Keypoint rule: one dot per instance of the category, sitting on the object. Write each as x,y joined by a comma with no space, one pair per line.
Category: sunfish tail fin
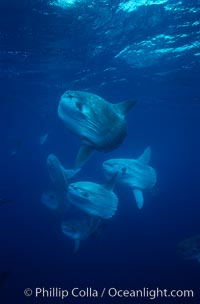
125,106
84,154
145,156
138,197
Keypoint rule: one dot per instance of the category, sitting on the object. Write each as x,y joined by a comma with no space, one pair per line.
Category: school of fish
86,206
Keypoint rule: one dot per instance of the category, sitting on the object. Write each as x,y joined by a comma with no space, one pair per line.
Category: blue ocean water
146,50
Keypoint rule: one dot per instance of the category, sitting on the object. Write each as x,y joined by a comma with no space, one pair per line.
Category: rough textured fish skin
96,121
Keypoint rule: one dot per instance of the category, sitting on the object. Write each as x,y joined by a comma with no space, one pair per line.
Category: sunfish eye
73,187
85,194
124,169
71,228
79,105
70,96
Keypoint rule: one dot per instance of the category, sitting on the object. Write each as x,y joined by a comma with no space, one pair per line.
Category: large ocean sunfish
135,173
94,199
101,125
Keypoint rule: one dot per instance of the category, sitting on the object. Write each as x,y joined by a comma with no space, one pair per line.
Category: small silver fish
43,138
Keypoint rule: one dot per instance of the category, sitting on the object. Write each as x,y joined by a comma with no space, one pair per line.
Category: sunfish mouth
107,165
68,97
72,187
73,192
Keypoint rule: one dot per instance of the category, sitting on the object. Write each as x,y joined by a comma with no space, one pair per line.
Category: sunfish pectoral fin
84,154
138,197
125,106
76,245
109,185
145,156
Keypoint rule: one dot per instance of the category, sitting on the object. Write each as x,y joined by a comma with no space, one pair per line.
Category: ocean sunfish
58,174
94,199
135,173
79,229
100,124
190,248
52,200
60,177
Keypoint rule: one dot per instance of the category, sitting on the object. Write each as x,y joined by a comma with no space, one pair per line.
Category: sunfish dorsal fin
138,197
68,174
125,106
145,156
76,245
109,185
84,154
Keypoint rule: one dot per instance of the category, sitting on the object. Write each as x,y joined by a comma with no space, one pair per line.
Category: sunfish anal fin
125,106
76,245
145,156
109,185
84,154
138,197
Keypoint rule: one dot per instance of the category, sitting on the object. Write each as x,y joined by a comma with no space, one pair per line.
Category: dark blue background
46,50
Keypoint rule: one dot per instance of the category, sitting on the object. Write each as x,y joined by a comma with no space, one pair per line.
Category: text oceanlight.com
89,292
